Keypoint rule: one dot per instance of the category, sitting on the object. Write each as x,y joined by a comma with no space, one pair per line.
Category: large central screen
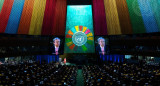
79,35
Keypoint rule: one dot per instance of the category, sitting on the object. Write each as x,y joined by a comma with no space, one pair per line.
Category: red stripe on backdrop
59,23
5,13
99,18
26,17
49,16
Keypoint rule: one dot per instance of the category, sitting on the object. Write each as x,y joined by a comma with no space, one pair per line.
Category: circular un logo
79,38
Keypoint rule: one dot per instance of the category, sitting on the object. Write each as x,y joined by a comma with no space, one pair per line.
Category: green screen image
79,35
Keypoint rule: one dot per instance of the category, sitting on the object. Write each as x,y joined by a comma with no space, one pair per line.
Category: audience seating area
29,74
95,76
121,75
54,74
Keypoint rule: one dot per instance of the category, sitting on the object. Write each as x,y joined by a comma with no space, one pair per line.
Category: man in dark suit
56,49
102,49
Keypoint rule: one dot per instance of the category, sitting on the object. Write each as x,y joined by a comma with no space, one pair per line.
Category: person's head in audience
101,41
56,42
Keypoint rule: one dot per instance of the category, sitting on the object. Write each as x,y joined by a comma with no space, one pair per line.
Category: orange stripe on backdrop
124,18
60,18
5,13
113,25
26,17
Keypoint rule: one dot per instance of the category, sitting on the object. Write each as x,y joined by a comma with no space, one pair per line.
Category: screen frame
62,42
80,2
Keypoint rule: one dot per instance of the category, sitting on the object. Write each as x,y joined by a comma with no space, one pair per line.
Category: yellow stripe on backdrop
37,17
113,25
41,16
34,17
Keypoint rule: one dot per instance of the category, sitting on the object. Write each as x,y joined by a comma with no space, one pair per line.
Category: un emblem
79,38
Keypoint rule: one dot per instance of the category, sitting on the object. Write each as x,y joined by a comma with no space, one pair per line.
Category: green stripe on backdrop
155,5
1,5
135,16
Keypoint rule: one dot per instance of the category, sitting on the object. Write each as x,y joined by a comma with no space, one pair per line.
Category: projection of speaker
56,49
102,48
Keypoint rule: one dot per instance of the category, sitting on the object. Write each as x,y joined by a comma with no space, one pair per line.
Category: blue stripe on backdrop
100,56
103,57
48,58
148,17
107,57
155,5
119,59
54,59
113,58
14,18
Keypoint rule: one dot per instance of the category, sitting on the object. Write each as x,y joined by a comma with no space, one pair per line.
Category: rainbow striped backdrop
47,17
